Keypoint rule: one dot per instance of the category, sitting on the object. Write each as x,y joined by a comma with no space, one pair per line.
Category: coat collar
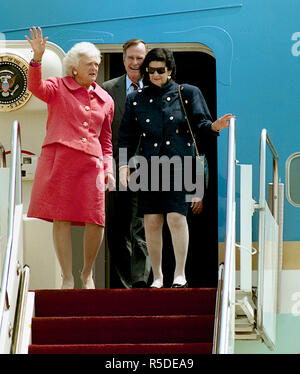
72,85
161,90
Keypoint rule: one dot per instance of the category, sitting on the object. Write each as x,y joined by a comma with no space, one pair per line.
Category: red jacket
76,118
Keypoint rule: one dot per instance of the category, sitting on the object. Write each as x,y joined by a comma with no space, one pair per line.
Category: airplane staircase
153,321
118,321
105,321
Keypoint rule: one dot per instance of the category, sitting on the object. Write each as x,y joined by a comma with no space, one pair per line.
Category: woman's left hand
222,122
197,205
110,182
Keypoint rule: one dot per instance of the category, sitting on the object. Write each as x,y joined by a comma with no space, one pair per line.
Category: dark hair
159,54
132,42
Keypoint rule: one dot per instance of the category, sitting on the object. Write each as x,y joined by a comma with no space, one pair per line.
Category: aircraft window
293,179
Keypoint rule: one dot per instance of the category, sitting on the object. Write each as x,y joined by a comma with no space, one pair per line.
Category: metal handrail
264,141
217,320
2,157
15,198
229,262
21,311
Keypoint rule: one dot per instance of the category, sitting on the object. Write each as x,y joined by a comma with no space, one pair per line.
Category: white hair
76,52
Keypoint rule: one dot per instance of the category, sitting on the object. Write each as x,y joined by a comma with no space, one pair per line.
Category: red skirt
68,186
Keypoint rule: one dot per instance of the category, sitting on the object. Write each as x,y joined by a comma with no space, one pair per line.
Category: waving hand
37,42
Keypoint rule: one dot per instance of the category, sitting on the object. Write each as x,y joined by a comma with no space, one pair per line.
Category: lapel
119,93
72,85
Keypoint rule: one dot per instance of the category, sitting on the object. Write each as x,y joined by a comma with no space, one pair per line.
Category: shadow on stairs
115,321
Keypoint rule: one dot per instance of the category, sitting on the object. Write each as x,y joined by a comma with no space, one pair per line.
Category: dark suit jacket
117,89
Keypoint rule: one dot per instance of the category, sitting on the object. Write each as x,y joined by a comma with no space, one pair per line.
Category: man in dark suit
129,261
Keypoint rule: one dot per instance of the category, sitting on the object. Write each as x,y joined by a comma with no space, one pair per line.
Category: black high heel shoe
177,285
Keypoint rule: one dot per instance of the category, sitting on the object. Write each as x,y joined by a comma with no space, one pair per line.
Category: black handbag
201,160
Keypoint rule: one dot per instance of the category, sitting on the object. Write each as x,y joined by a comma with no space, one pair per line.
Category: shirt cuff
34,63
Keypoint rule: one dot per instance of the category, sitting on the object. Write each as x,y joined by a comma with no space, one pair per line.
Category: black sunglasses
159,70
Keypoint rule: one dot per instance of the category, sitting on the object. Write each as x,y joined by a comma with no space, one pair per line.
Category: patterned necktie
135,86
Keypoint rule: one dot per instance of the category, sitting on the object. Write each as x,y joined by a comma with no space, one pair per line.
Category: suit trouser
129,260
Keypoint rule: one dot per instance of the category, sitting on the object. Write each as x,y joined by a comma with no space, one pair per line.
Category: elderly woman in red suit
75,165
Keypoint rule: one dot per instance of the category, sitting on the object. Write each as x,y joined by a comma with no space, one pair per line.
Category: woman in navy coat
154,127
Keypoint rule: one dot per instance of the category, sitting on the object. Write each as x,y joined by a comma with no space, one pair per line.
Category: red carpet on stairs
115,321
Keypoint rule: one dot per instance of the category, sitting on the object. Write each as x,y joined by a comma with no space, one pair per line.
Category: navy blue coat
154,121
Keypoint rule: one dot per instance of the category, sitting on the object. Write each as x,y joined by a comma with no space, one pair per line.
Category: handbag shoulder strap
187,119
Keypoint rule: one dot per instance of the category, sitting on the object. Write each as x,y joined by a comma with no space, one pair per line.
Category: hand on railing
222,122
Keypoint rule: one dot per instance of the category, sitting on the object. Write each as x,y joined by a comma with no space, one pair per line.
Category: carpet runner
114,321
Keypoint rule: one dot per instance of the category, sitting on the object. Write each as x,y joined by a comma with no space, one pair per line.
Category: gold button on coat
155,145
83,140
168,142
87,108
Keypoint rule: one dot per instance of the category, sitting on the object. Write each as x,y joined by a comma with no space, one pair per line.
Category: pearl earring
75,72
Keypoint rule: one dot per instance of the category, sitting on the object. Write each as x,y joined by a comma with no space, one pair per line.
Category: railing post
15,197
265,140
228,296
217,321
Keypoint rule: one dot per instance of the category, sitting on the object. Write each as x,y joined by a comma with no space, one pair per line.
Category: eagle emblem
13,82
7,81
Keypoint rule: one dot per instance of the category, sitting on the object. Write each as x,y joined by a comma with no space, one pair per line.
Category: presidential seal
13,83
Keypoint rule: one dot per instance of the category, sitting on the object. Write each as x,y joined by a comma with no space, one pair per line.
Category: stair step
150,348
116,321
113,302
122,329
242,324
